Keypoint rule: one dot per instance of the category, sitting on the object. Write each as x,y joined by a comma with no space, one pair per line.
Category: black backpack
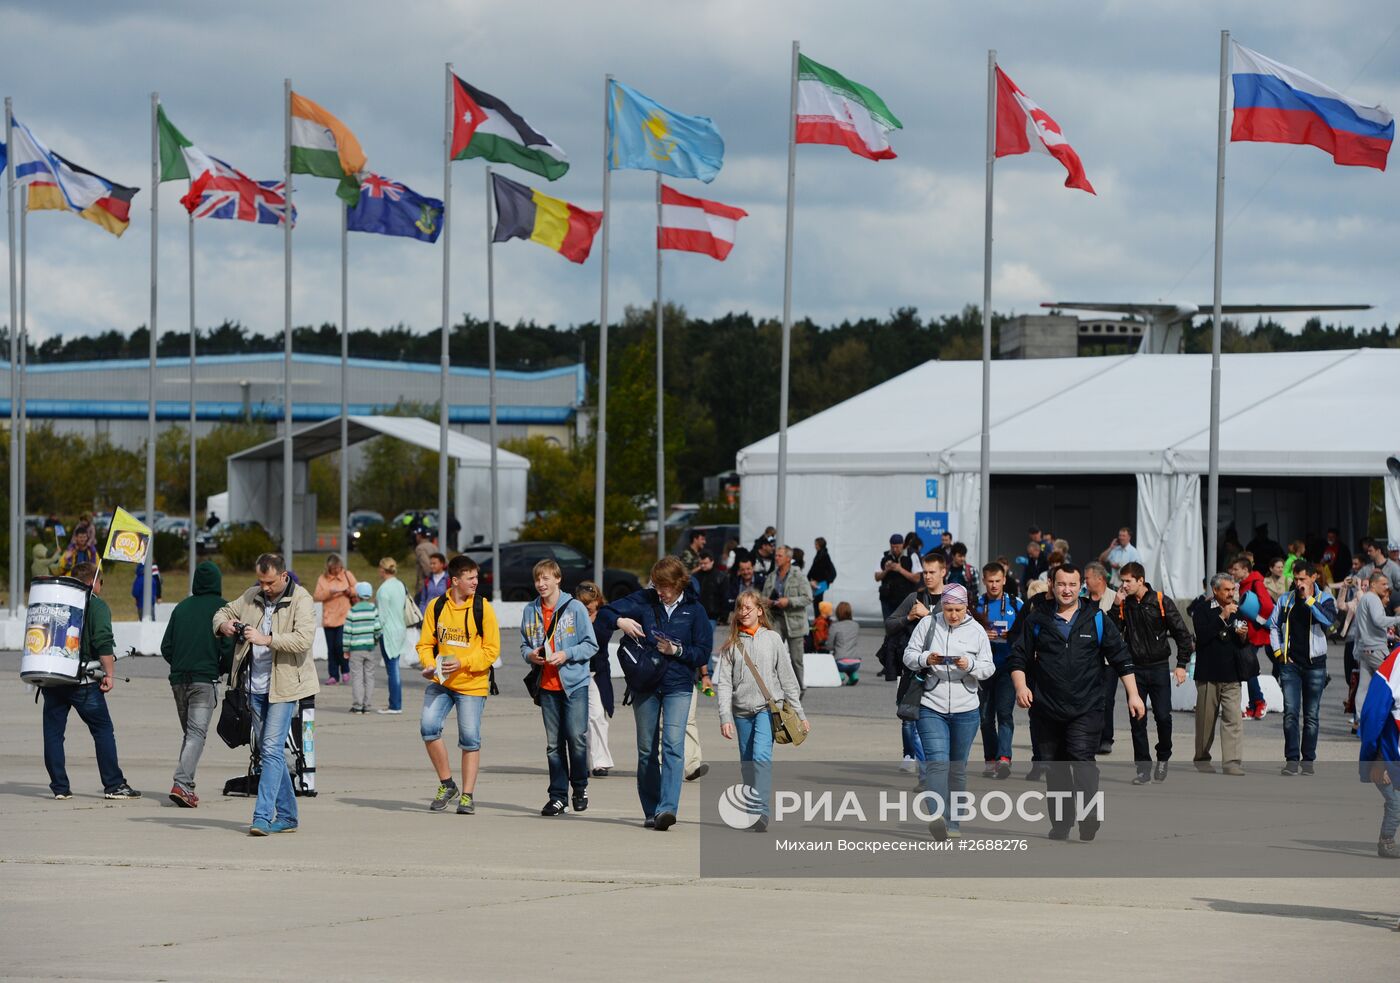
477,606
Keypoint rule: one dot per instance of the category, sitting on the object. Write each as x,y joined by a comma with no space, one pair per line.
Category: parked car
208,540
715,538
360,520
518,563
179,526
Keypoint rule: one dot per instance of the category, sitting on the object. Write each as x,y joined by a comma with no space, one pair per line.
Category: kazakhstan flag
646,136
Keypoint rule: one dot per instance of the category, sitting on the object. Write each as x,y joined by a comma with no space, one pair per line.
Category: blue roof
132,409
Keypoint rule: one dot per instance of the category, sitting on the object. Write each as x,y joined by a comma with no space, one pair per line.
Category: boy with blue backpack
997,611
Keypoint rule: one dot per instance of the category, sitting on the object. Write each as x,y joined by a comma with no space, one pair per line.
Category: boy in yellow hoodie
459,642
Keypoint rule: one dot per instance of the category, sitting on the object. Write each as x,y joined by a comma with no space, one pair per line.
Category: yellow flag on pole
129,539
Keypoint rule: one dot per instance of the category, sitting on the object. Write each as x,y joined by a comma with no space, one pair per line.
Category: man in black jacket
1147,619
1056,665
1224,660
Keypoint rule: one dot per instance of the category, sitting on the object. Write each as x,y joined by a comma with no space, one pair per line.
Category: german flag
111,212
524,213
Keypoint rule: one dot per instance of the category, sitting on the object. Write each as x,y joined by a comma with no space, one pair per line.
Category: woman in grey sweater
753,647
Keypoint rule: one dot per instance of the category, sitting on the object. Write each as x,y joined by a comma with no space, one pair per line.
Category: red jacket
1258,633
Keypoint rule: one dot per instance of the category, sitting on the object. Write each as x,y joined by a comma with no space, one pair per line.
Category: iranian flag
324,147
696,225
833,109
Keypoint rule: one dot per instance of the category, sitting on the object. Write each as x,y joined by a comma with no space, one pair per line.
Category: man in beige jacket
275,623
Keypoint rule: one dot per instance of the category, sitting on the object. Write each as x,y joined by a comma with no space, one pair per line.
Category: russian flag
1278,104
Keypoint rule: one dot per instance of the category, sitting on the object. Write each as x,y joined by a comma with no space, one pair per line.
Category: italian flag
833,109
322,146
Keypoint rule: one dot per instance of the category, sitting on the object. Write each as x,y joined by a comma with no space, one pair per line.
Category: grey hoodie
735,688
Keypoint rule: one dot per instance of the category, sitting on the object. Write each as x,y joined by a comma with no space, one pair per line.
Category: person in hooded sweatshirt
952,653
197,659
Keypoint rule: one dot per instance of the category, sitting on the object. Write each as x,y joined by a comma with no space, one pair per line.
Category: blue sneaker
282,826
260,827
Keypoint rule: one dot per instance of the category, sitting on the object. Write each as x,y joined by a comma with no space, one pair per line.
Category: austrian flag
1023,127
696,225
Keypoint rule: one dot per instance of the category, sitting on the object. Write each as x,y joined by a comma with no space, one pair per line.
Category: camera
240,631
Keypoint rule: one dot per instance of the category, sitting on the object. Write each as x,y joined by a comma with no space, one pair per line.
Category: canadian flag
696,225
1023,127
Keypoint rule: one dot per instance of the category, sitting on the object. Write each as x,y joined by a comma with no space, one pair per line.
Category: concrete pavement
373,886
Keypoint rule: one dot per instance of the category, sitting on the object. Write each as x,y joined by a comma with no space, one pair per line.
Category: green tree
214,449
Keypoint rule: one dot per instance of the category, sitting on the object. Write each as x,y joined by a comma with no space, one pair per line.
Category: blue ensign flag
391,209
646,136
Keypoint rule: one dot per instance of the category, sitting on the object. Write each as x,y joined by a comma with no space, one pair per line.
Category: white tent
864,467
255,475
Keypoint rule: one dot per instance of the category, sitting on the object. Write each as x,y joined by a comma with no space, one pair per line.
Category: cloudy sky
1133,86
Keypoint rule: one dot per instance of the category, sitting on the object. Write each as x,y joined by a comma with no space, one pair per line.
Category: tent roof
1280,413
324,438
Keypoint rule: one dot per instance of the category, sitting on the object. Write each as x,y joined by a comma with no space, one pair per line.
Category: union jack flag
381,187
229,193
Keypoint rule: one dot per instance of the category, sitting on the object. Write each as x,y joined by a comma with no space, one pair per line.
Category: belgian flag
524,213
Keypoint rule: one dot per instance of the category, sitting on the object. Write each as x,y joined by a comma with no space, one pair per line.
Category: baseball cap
364,590
895,538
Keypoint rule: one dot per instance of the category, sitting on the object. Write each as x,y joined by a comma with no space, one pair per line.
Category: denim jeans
755,736
272,722
660,719
391,672
998,720
91,704
195,703
438,702
909,739
566,740
1154,685
1302,693
1390,821
337,665
947,739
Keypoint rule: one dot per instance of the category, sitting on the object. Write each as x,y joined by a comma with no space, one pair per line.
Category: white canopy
1144,414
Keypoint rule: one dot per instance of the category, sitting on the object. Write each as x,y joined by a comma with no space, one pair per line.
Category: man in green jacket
197,659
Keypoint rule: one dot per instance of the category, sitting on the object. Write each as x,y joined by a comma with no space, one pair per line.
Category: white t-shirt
261,677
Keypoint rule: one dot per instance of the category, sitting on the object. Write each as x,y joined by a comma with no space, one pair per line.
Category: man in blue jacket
556,637
1298,641
668,607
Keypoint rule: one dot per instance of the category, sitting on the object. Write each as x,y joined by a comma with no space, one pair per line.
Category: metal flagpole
787,306
22,414
194,448
660,394
491,363
600,466
446,355
148,582
16,519
984,508
345,380
1213,479
288,518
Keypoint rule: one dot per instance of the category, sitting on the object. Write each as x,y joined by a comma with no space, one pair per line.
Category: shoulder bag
787,725
236,717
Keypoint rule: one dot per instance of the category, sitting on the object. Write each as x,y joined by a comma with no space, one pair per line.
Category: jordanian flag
483,126
833,109
323,147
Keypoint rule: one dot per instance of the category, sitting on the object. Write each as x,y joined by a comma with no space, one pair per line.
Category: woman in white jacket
743,712
952,653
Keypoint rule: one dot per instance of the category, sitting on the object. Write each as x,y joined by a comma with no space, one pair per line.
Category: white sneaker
908,764
388,711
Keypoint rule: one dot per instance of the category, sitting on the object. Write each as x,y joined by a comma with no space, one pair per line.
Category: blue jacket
1004,608
1285,648
1378,727
688,623
573,635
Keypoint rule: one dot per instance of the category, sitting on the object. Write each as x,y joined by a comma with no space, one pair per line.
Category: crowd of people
967,645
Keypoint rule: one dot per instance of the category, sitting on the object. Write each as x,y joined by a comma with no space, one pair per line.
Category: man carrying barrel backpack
88,697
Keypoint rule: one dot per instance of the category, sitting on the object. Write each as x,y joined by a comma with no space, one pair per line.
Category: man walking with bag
197,659
791,600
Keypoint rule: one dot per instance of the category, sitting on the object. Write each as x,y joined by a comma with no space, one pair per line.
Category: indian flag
833,109
324,147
